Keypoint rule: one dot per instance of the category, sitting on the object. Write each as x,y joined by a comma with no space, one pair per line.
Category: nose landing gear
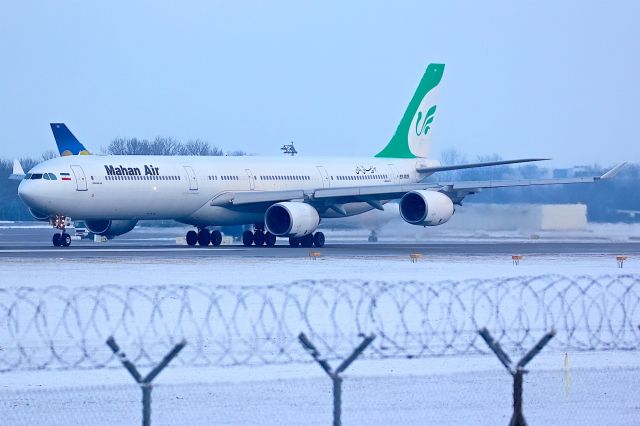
60,239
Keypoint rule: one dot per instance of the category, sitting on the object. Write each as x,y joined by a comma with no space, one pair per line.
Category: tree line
164,146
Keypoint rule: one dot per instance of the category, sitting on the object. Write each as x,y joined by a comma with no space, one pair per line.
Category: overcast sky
538,78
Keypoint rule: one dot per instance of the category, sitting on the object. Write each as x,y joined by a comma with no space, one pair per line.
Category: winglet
18,171
611,173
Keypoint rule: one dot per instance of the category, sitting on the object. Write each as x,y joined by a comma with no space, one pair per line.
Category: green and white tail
413,135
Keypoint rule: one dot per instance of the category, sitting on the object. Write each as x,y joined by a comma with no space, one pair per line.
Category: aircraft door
393,174
81,180
326,183
252,182
193,180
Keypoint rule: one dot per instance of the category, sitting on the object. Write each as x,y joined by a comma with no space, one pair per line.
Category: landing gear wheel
307,241
247,238
204,237
294,241
258,238
318,239
56,240
269,239
192,238
65,240
216,238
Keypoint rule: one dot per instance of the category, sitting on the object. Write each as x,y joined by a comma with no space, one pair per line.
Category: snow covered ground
471,389
245,270
601,390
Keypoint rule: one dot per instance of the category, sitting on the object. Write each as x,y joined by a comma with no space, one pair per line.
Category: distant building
561,173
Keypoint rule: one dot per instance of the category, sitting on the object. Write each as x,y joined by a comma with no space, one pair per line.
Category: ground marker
566,375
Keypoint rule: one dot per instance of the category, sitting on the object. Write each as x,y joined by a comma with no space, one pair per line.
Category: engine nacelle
426,208
110,228
38,215
291,219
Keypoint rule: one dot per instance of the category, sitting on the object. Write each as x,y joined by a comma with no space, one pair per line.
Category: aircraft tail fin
413,135
67,143
18,171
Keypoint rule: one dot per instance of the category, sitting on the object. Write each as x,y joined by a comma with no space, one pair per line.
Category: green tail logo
423,129
413,135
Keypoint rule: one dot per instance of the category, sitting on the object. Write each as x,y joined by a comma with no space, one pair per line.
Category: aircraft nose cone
28,193
24,193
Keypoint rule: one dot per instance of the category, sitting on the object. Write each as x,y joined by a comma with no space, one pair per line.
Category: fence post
146,403
145,382
517,419
334,375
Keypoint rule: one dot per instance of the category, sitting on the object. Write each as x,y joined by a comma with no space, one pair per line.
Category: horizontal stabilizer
18,171
476,165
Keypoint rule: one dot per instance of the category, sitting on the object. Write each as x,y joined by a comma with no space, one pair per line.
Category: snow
470,389
452,390
245,270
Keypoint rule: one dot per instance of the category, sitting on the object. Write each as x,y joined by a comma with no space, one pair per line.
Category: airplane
284,197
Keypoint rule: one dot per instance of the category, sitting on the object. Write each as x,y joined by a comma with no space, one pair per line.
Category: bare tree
48,155
117,146
237,153
165,146
450,157
196,147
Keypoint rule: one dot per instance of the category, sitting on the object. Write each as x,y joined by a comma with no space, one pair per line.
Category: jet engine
110,228
38,215
291,219
426,208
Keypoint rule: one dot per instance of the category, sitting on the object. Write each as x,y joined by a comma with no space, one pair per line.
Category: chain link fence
61,328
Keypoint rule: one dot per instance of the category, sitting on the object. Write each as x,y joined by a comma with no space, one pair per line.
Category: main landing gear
204,237
310,240
60,239
259,237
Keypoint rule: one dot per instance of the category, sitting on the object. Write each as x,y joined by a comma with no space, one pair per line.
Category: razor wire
59,328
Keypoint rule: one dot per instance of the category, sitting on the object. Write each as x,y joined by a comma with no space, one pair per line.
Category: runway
34,243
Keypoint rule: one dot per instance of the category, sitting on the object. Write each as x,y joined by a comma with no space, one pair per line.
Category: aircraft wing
476,165
373,194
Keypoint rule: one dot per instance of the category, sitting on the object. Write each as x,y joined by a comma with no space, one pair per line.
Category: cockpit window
45,176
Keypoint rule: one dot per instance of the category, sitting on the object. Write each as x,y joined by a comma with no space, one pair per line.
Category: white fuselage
182,188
